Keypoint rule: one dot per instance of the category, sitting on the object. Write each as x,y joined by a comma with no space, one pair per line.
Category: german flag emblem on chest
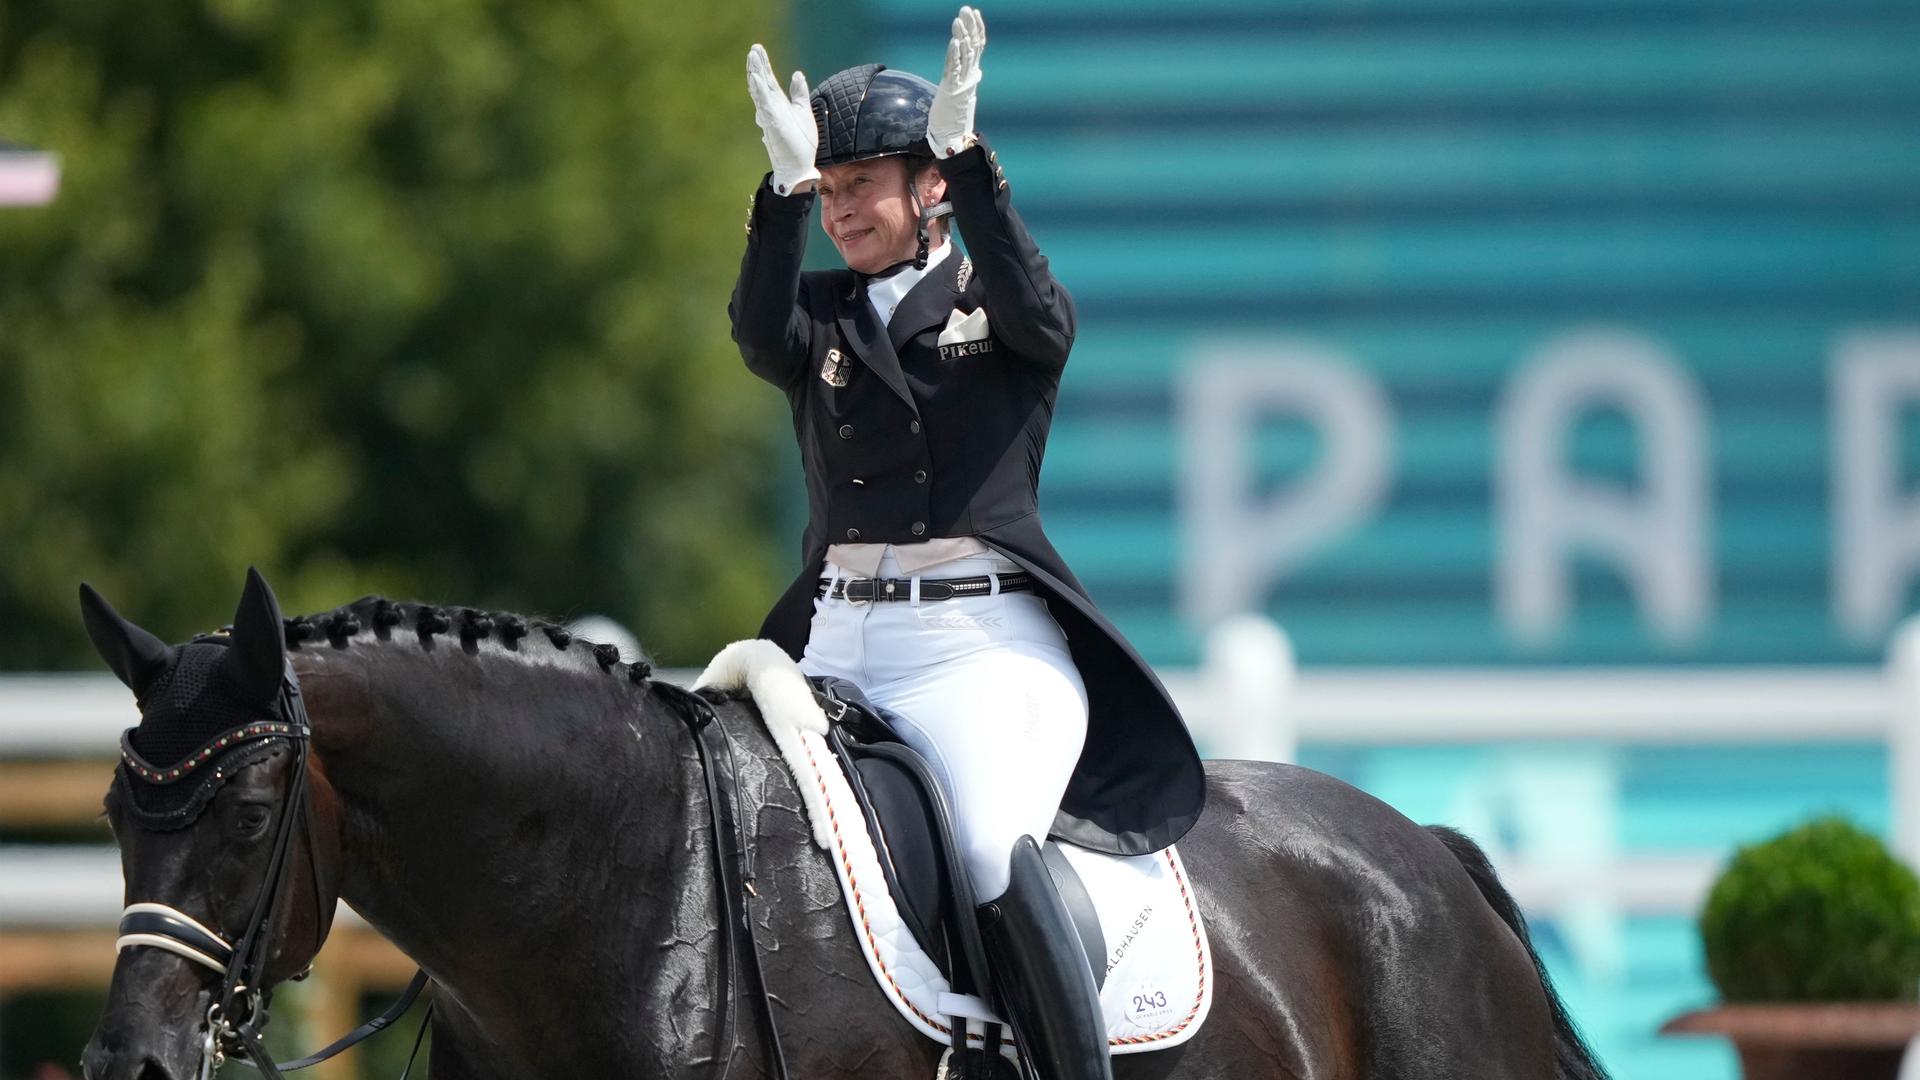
834,371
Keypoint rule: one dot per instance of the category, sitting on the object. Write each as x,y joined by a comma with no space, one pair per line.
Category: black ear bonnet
197,728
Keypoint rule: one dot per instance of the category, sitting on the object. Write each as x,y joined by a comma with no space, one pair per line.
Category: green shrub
1822,913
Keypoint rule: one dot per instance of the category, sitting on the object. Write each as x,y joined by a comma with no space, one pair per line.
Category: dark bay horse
525,817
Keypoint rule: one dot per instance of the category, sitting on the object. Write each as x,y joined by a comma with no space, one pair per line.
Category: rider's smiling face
868,212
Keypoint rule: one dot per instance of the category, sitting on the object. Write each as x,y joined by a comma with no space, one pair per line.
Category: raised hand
950,121
786,123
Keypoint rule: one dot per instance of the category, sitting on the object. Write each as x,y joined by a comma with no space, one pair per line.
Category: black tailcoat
924,441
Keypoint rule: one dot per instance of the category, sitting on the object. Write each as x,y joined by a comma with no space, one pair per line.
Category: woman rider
922,385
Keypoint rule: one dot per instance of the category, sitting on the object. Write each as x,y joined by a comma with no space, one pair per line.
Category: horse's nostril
153,1070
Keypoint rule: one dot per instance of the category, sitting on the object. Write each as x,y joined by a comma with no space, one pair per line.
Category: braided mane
373,619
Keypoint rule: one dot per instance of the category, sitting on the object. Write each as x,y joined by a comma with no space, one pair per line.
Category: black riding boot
1046,987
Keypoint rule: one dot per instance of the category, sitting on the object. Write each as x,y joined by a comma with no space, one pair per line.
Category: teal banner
1475,332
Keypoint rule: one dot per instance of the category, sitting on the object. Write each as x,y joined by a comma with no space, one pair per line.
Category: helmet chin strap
928,216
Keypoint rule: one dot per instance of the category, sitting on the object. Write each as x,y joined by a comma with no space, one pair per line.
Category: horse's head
226,883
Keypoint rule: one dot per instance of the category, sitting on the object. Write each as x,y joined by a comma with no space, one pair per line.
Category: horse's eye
252,820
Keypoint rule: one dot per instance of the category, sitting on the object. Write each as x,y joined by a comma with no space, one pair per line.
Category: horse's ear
136,656
258,654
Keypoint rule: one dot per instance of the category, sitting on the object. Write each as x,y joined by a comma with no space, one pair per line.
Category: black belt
868,589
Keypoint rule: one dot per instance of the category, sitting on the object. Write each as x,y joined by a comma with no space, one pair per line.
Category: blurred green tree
422,297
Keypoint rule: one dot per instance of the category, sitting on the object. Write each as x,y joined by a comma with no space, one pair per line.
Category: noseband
169,928
239,1011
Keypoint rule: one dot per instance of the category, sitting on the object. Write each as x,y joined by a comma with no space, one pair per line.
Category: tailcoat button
853,534
920,477
846,431
914,427
919,528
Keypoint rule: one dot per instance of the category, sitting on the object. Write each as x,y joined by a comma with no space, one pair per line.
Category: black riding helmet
872,111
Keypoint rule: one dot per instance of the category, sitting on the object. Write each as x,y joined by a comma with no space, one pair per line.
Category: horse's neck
479,829
543,852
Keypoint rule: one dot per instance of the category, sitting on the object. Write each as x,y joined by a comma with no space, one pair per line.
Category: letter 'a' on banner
28,177
1656,533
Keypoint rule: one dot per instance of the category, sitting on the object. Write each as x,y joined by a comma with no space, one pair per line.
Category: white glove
786,123
950,120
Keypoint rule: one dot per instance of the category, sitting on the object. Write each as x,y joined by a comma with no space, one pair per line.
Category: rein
239,1011
732,867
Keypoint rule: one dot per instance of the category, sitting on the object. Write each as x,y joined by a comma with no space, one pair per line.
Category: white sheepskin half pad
1159,980
769,676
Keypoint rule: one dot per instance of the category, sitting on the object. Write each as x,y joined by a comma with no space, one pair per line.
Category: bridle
239,1010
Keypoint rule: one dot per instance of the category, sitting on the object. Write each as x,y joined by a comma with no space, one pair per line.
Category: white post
1903,740
1903,763
1249,677
28,177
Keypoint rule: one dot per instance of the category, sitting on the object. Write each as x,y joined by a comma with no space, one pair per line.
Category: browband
153,774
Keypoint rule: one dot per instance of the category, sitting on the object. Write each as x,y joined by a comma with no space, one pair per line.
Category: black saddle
910,816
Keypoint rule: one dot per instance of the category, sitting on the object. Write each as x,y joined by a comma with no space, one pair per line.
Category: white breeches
985,690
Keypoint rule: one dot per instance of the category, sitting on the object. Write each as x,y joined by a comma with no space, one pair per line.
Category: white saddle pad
1159,971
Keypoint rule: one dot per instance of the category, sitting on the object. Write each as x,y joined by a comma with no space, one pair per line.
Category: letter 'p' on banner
1238,542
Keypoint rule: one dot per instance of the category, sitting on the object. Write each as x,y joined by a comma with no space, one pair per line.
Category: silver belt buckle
846,592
